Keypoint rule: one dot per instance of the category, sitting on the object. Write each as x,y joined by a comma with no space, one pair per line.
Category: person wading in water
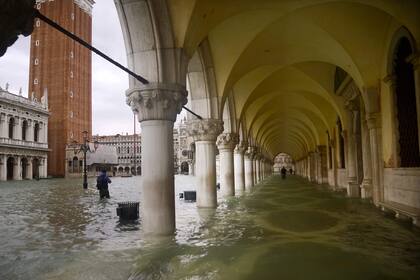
102,184
283,173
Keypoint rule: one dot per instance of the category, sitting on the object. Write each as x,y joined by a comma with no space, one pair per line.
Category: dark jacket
102,182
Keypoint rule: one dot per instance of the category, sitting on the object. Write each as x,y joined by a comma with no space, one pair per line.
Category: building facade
63,66
283,160
128,149
23,137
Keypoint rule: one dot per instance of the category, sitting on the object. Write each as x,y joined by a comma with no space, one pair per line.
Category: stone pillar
157,105
366,187
239,166
190,167
18,129
3,126
353,186
45,134
375,135
204,133
3,168
17,169
254,169
30,131
249,172
29,173
226,142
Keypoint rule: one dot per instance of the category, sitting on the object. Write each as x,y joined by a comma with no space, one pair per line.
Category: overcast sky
110,113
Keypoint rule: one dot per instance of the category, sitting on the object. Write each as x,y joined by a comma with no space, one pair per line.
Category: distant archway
24,129
10,168
184,167
24,167
35,168
405,96
11,127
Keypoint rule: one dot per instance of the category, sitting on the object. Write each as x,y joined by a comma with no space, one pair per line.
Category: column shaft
239,166
206,173
249,180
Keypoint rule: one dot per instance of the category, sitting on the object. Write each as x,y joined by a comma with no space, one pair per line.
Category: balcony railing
23,143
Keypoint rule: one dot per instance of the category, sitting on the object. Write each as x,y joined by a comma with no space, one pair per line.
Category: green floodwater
282,229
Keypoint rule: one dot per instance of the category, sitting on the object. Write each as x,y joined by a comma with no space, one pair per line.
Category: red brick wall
53,71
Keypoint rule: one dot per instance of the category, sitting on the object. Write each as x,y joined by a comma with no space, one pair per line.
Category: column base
366,189
353,189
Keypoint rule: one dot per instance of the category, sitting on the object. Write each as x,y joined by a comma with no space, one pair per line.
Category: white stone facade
23,137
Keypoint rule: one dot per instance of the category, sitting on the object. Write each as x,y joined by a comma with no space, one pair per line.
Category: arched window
11,127
36,132
24,128
406,110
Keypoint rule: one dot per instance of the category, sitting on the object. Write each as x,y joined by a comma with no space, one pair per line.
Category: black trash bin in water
190,195
128,210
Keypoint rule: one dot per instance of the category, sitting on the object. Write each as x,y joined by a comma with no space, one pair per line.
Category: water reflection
283,229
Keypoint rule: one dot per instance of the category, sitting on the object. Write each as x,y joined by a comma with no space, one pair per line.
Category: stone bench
401,209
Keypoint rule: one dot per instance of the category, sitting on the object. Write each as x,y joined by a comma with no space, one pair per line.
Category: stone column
190,167
249,177
17,170
29,174
3,126
45,134
239,166
353,187
17,134
375,135
30,131
3,168
204,133
366,187
157,105
254,169
226,142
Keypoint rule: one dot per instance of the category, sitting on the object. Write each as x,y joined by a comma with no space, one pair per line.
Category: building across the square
65,68
23,136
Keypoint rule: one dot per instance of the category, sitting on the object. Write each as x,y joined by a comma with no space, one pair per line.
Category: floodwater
283,229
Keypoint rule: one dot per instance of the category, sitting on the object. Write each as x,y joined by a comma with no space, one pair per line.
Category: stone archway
35,168
10,168
184,168
24,168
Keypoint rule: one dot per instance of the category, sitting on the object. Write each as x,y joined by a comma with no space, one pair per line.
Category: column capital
227,141
241,147
205,129
157,101
373,120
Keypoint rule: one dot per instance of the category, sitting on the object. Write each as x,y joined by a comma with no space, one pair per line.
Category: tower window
71,54
37,43
35,81
71,74
37,22
71,114
38,6
36,61
71,134
71,94
72,16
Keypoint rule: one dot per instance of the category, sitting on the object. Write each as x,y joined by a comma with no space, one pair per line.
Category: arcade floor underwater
282,229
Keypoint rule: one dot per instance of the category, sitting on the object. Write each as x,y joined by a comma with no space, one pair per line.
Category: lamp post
84,148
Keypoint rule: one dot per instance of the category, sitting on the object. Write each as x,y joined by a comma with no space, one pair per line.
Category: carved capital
373,120
241,147
227,141
157,101
390,80
251,152
204,130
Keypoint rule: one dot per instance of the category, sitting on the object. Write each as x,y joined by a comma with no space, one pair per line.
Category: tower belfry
64,67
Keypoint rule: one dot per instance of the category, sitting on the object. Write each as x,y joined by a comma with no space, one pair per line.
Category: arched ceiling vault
278,59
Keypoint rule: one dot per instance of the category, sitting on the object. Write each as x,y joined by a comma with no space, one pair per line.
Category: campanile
64,68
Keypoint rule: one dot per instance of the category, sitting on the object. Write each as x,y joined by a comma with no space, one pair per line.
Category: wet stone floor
282,229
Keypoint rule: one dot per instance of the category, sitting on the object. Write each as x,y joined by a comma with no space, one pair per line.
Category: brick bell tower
64,68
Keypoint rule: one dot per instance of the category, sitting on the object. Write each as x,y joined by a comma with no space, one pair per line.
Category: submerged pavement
282,229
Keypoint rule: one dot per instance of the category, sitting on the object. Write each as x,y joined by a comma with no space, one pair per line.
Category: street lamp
85,148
